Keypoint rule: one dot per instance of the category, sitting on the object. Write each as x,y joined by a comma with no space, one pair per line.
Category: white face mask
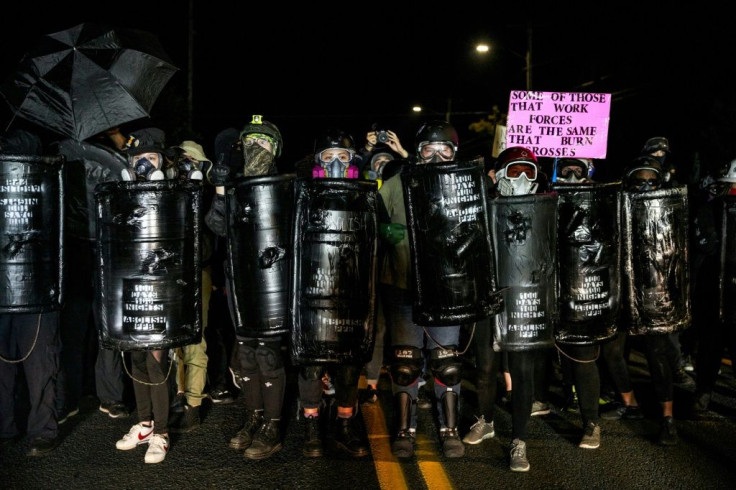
519,186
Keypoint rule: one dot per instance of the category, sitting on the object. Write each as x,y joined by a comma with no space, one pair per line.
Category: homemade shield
656,272
31,231
149,270
334,271
589,255
259,218
450,242
84,80
525,240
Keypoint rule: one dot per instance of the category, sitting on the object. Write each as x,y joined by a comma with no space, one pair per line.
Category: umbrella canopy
89,78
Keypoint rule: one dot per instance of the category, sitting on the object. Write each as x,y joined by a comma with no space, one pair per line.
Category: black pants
151,389
17,338
486,368
581,360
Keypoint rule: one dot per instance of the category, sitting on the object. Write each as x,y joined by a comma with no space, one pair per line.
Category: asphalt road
629,456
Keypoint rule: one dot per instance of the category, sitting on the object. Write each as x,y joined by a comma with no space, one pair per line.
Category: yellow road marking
388,469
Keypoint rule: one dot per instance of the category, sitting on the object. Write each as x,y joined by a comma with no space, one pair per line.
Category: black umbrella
87,79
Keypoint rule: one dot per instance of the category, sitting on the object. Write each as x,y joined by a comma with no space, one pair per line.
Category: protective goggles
570,170
342,154
427,150
514,170
259,139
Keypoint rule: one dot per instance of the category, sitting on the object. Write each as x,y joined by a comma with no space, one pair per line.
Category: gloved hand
393,233
220,174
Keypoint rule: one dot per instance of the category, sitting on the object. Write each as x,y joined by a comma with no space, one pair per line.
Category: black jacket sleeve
215,217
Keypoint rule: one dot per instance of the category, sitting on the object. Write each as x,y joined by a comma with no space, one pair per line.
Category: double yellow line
388,468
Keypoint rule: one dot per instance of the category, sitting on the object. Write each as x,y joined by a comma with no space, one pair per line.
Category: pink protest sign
559,124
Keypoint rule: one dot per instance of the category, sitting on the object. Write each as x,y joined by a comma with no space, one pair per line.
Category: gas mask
189,169
519,186
258,160
335,168
144,169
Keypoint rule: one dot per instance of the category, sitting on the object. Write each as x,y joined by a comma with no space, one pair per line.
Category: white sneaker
157,449
138,434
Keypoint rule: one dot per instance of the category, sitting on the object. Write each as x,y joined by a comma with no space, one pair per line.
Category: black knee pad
446,366
407,365
311,373
268,355
247,356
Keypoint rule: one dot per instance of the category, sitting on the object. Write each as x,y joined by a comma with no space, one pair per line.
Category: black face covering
258,161
144,167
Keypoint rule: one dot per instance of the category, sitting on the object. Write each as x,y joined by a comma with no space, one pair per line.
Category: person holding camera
378,139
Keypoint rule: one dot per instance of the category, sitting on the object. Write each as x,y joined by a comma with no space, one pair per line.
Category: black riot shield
589,262
31,233
727,278
149,271
524,237
259,217
656,272
334,271
450,241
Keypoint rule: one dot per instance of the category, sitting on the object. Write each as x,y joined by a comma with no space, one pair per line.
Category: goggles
259,139
514,170
328,155
645,183
570,170
427,150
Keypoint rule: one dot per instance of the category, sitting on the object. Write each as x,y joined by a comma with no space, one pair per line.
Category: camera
382,135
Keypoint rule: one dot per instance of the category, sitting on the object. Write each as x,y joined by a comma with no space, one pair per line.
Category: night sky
350,64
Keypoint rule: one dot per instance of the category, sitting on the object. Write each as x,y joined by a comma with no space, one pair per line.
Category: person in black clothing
713,333
28,341
257,362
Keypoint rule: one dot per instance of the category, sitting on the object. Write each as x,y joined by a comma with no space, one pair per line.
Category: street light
483,48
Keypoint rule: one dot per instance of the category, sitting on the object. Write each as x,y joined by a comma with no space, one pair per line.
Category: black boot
312,439
349,438
452,446
186,421
403,445
266,442
244,437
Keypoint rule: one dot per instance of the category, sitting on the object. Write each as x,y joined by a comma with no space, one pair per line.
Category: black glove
220,174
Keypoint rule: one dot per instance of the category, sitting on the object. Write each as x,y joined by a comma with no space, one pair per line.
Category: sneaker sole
542,412
521,470
128,448
257,457
478,441
68,416
588,446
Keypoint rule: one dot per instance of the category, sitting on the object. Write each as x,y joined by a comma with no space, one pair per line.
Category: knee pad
446,365
268,355
407,365
311,373
247,360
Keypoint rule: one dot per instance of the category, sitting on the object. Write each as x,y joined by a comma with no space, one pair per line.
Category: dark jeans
486,368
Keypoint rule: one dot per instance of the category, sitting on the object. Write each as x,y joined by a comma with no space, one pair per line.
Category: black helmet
437,131
643,162
333,138
587,168
656,144
258,126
